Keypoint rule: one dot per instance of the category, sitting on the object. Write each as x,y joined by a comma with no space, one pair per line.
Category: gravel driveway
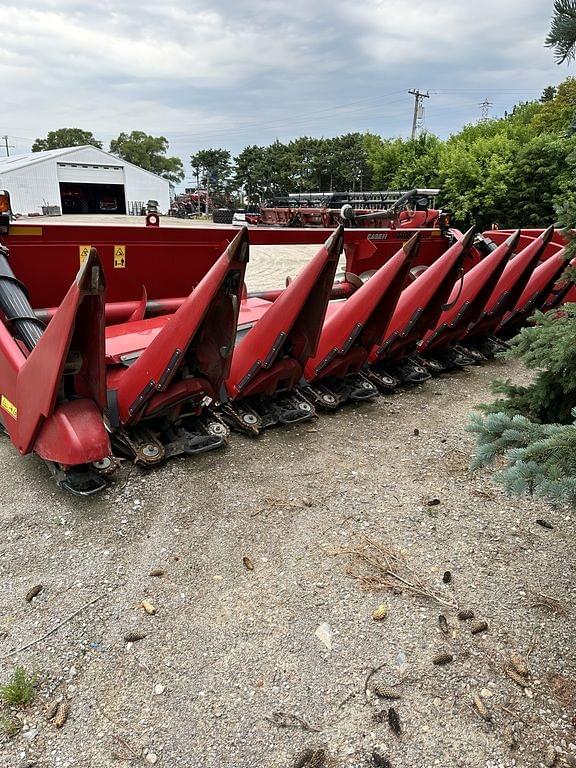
234,669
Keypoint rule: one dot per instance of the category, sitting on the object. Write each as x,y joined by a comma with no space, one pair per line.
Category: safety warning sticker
119,256
9,407
84,253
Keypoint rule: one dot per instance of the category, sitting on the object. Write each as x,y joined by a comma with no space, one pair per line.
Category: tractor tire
222,216
84,206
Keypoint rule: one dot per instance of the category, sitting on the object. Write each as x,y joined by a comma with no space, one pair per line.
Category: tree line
511,170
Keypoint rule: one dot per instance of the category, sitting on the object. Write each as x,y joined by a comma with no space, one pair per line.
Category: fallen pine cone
478,626
380,613
248,564
303,758
518,679
394,721
447,577
465,615
156,572
32,593
550,757
518,664
385,692
481,708
317,759
61,714
133,637
442,658
379,761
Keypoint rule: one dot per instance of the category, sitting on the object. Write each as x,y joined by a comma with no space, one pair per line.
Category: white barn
79,180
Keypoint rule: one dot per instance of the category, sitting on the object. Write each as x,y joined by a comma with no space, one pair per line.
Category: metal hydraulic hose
15,306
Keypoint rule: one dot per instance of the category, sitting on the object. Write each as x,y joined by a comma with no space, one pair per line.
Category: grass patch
20,689
9,726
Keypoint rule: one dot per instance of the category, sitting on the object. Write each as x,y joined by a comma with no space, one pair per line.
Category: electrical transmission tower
485,110
418,117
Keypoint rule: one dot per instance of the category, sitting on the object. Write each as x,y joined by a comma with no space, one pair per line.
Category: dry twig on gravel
371,671
54,629
379,566
546,601
290,720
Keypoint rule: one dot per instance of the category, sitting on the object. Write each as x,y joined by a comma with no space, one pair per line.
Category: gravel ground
230,649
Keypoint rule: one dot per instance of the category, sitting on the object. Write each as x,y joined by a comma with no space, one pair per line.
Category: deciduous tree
148,152
66,137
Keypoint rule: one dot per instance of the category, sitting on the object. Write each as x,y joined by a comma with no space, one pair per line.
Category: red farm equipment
412,209
142,342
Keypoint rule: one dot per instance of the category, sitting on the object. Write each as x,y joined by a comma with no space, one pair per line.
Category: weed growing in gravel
19,690
9,726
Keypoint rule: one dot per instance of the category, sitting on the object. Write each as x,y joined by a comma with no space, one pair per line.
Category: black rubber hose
15,306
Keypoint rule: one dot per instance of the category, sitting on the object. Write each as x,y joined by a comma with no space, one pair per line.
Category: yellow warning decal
119,257
84,251
9,407
18,229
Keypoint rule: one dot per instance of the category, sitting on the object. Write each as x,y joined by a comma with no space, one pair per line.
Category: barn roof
16,162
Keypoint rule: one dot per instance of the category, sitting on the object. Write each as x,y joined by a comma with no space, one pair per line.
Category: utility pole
419,97
484,110
8,146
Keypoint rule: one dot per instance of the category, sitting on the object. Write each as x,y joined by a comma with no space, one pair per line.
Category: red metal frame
272,355
35,413
469,297
511,284
421,303
146,327
354,326
170,261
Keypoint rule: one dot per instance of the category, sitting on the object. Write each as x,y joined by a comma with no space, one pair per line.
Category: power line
325,113
485,110
418,118
7,146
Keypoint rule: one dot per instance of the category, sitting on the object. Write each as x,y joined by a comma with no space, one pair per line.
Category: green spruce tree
534,427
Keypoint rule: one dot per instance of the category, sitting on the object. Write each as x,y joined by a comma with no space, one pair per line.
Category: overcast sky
229,74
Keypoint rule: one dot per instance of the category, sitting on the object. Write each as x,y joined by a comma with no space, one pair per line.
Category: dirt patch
246,667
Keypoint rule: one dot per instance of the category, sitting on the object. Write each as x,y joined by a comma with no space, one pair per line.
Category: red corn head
422,302
510,287
40,417
272,355
198,336
354,326
537,290
469,297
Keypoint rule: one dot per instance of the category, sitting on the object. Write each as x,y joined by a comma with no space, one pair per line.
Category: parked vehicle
108,204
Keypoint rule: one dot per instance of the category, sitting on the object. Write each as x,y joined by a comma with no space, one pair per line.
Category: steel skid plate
253,414
162,439
330,393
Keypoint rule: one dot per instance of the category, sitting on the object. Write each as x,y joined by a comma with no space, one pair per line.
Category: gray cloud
235,73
